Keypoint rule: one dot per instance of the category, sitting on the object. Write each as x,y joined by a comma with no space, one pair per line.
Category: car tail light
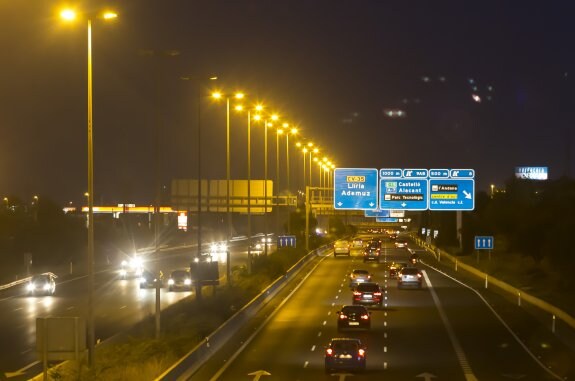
377,293
365,317
329,351
342,316
369,277
419,275
361,352
356,293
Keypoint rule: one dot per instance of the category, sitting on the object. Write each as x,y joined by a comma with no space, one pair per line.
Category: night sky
332,67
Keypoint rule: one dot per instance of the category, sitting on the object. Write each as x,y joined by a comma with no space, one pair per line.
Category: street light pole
249,195
90,322
279,131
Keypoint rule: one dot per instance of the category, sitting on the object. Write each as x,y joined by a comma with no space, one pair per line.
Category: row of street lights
269,121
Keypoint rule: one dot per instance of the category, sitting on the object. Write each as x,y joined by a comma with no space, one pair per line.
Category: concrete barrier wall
193,360
513,291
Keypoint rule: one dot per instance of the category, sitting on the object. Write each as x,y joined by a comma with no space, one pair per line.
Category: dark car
372,251
150,280
410,276
43,284
368,293
346,354
358,276
401,243
180,280
353,317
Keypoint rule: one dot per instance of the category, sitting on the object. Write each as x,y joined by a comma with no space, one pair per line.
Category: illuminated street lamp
219,95
70,15
292,131
268,122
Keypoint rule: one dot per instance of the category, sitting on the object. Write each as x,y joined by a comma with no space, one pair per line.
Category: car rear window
410,271
361,272
353,309
369,287
342,345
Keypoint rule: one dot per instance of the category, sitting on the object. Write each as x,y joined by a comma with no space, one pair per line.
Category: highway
442,332
119,304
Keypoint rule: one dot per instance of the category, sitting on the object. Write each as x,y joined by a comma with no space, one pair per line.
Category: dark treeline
528,217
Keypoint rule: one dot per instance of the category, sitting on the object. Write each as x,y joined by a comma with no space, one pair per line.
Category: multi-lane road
442,332
119,304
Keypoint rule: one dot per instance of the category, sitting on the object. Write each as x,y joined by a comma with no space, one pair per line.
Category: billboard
531,173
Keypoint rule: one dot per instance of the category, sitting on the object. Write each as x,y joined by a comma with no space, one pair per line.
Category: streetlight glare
280,131
239,96
259,107
68,14
239,108
217,95
293,131
275,117
310,144
109,15
285,125
257,117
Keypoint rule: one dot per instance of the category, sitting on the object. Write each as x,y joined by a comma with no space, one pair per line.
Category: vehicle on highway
341,246
150,280
413,258
410,277
353,317
42,284
358,276
344,353
131,268
357,243
368,293
401,243
398,267
372,251
180,280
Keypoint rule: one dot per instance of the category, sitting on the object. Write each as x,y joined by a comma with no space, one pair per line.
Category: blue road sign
387,173
462,173
439,173
355,188
404,193
286,241
386,219
452,194
377,213
484,242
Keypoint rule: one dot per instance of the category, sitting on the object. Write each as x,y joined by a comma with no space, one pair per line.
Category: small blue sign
451,194
286,241
377,213
386,219
403,194
484,242
415,173
462,174
439,173
386,173
355,188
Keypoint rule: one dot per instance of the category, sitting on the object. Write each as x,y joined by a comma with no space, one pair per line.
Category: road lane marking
319,334
385,365
328,313
517,339
313,348
324,322
337,296
18,309
306,364
463,363
385,335
384,349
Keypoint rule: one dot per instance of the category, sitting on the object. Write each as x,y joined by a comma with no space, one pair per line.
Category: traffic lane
297,352
291,344
491,350
118,305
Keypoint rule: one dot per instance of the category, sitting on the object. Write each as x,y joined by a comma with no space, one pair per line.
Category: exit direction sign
355,188
286,241
456,192
403,189
377,213
484,242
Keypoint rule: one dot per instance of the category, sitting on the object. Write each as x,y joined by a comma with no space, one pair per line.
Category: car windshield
360,272
180,274
40,278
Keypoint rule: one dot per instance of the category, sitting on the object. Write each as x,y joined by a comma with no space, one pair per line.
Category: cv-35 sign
404,189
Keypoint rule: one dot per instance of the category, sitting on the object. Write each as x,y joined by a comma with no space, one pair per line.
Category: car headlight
170,282
187,282
30,287
46,287
123,272
142,280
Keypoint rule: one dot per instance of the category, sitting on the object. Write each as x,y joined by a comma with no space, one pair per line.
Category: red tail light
418,275
377,293
361,352
357,293
365,317
329,351
342,316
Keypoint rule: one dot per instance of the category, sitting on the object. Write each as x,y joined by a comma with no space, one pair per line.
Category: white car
341,247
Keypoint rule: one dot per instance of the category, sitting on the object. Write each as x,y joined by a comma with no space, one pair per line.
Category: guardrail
193,360
554,311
